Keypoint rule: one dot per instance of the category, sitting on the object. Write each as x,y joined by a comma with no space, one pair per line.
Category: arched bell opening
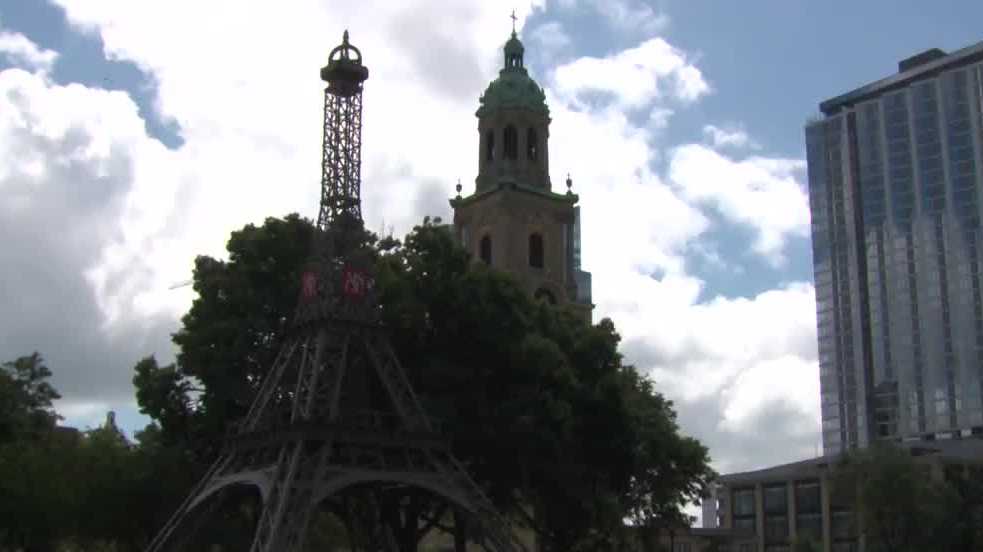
532,144
489,145
510,143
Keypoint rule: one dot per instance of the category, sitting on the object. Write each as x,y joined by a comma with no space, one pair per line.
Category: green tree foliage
25,399
894,497
903,506
39,502
65,490
538,404
963,501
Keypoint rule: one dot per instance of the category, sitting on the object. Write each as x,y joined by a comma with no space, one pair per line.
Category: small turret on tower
513,122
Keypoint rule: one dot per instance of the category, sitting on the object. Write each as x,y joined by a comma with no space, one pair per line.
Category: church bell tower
514,221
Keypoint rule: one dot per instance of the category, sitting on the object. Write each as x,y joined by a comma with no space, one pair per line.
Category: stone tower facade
514,221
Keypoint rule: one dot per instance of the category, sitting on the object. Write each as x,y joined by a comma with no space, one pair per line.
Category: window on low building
743,512
775,502
808,510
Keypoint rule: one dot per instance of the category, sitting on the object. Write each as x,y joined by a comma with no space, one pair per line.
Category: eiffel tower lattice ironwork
336,411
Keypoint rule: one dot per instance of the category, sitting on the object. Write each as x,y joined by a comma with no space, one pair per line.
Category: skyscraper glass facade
894,188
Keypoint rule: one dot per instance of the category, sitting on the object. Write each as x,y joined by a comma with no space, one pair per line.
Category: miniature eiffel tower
336,411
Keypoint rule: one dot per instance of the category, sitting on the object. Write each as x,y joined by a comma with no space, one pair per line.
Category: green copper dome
513,88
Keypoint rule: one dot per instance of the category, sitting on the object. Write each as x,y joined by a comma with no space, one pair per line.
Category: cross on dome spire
514,50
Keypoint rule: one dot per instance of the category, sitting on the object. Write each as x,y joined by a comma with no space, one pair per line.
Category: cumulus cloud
652,71
743,371
624,200
735,138
20,51
248,110
550,36
766,194
68,155
630,15
249,119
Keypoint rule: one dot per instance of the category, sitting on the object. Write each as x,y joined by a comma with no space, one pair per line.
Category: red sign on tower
355,283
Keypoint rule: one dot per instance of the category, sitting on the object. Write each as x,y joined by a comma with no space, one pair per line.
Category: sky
135,135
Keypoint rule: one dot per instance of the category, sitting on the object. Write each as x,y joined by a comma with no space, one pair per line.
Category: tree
900,506
61,489
33,498
38,497
538,405
963,514
25,399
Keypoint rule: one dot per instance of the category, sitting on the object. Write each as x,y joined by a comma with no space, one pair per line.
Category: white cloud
763,193
743,371
629,15
721,338
249,114
787,379
624,201
722,138
549,38
635,78
712,357
83,414
68,156
659,117
20,51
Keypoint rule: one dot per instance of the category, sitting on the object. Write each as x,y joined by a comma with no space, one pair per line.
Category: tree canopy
538,404
903,506
25,398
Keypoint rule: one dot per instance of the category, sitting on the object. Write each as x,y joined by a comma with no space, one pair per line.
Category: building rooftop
959,450
920,66
782,472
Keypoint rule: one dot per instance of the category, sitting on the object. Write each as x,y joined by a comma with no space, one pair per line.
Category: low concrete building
795,501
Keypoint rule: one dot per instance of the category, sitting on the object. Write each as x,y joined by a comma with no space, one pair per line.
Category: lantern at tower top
344,72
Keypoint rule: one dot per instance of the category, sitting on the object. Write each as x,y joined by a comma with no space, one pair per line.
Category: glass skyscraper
895,186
